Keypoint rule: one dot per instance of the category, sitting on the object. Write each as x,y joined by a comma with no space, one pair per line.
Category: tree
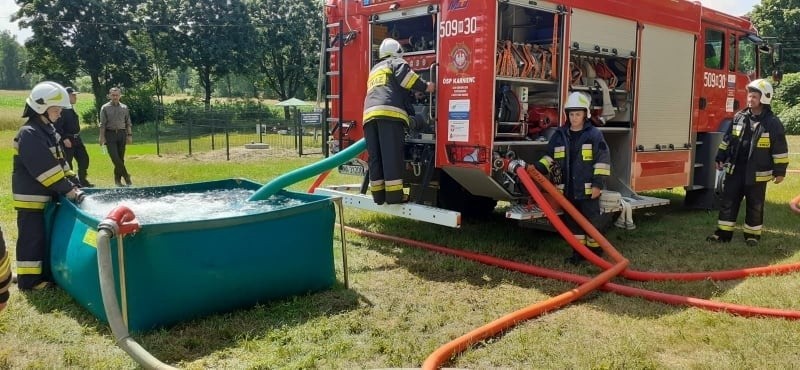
82,36
156,41
215,38
781,19
11,56
289,44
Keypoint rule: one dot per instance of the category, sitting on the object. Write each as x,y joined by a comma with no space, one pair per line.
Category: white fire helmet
764,87
578,100
47,94
390,48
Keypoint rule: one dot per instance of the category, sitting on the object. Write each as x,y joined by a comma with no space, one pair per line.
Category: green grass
403,303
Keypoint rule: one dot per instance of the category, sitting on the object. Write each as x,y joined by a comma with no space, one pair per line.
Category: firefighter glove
76,195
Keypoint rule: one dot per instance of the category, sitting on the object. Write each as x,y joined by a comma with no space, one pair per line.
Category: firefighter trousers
32,256
81,156
386,161
589,208
735,189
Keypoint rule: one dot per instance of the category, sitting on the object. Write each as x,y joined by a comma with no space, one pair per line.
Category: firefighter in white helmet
753,152
386,118
40,173
579,161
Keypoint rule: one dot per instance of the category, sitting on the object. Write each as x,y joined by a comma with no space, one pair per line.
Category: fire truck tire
454,197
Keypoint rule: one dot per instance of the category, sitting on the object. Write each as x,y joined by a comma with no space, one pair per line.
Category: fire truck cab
665,78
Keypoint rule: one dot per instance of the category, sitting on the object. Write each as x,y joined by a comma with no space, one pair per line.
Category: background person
116,132
753,152
386,118
580,152
40,173
69,127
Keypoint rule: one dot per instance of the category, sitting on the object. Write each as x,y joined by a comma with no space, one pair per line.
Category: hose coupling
515,164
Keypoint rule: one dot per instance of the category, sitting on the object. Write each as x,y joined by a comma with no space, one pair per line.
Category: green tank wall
183,270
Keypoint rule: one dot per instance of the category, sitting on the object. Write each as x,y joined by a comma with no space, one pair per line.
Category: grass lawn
403,303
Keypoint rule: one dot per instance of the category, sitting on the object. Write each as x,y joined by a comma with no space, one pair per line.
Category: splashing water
156,208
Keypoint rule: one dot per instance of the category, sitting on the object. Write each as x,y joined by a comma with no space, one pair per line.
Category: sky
9,7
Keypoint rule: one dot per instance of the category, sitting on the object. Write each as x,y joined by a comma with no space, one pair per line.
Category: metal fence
235,133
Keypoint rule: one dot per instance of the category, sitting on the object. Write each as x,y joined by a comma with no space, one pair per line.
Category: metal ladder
334,40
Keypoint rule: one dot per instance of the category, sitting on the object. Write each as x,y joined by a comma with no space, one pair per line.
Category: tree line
269,46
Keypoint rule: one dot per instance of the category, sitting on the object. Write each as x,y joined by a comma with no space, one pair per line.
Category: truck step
525,212
411,211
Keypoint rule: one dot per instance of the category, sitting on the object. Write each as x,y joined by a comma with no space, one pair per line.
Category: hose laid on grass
532,173
117,220
273,187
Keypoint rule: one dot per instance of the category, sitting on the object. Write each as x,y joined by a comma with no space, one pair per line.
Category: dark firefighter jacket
587,166
40,171
68,125
387,90
766,153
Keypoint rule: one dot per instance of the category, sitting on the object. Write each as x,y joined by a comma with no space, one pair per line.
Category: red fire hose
526,174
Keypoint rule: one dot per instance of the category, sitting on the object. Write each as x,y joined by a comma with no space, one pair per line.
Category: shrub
787,94
791,120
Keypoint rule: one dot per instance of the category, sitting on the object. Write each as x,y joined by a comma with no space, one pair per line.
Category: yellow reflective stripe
782,158
602,172
591,243
559,152
50,176
29,205
602,169
29,267
581,239
726,225
723,146
29,270
385,111
547,162
394,187
560,188
763,143
587,155
410,80
755,230
377,187
5,267
763,176
587,188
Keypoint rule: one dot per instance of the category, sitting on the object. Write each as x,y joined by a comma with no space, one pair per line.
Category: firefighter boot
378,190
720,236
751,239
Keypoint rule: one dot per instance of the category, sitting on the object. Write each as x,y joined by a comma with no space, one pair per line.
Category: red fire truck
665,78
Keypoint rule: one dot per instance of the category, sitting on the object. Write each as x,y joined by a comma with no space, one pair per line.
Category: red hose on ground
319,181
795,204
526,175
444,353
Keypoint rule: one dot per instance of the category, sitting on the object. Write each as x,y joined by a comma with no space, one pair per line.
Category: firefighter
5,272
68,126
40,173
386,119
578,159
753,152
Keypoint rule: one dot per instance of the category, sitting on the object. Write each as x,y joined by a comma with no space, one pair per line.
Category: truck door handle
703,103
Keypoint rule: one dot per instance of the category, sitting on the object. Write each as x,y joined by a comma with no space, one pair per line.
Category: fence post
159,114
213,131
191,121
227,143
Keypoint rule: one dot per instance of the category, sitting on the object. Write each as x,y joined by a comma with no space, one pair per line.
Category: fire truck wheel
454,197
